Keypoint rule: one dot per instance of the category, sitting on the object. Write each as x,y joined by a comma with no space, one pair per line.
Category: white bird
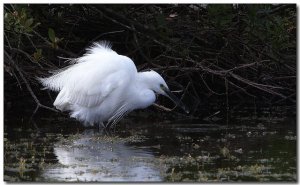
103,86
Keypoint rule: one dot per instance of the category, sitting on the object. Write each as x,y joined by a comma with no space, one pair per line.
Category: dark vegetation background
218,57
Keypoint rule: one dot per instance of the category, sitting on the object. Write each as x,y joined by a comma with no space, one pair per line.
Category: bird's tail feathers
54,82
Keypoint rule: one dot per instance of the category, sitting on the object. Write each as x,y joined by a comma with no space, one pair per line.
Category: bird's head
157,84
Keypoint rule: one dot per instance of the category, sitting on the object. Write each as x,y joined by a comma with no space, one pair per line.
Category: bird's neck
143,80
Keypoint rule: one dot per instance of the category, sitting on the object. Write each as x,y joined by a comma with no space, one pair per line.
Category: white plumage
103,86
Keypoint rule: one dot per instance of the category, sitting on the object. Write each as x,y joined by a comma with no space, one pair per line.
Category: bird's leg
101,124
108,125
103,128
105,131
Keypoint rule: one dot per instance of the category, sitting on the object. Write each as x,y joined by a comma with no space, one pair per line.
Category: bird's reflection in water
92,156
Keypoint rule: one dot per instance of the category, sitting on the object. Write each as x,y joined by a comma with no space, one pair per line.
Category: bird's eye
161,86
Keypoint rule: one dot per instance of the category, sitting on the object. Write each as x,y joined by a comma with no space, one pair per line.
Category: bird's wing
92,93
92,78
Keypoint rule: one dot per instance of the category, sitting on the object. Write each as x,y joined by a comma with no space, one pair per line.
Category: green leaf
28,22
39,51
51,34
37,55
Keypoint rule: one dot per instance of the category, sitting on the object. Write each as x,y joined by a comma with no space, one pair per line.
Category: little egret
103,86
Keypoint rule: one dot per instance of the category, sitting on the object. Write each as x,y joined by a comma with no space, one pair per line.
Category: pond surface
247,148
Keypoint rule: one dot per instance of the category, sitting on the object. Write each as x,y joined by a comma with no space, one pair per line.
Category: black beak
176,100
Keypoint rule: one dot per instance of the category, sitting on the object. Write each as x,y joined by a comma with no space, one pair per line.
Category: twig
58,48
39,105
27,55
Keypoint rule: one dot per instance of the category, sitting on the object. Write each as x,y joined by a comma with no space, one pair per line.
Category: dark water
248,147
